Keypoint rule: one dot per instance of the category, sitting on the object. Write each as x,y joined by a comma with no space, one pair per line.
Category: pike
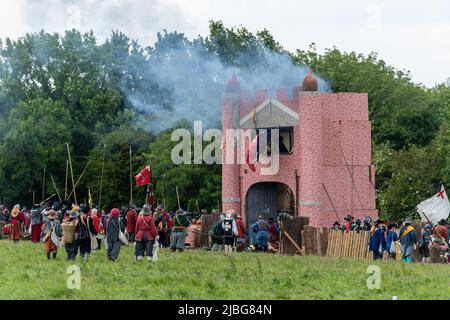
56,189
71,172
81,176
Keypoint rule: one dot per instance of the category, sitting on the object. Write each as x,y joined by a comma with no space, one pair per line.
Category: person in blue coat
377,240
261,228
390,240
408,240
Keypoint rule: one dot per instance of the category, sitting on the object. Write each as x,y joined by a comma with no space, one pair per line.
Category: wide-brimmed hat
408,220
52,215
15,211
442,222
181,212
427,226
392,225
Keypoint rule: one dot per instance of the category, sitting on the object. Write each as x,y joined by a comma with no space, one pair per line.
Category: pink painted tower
325,171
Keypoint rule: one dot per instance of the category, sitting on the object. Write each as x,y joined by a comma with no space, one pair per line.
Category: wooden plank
293,242
333,241
340,245
323,241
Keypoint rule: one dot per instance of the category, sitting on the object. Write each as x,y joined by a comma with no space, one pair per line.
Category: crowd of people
80,230
432,242
230,232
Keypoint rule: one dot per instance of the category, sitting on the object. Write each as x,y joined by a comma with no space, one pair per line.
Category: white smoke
197,80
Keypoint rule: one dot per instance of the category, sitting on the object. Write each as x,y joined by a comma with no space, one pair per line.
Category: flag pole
164,191
43,186
71,173
81,176
56,189
101,179
178,198
131,178
67,177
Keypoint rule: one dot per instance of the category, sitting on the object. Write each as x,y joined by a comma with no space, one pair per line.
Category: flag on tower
252,154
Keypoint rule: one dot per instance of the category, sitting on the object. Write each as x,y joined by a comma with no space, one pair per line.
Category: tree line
58,88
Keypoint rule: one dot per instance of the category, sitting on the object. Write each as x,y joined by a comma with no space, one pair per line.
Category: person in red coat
17,219
132,216
241,233
145,235
97,226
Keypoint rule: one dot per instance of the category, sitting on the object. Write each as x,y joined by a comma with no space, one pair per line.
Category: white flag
436,208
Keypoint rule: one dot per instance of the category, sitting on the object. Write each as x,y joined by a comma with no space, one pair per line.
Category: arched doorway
268,199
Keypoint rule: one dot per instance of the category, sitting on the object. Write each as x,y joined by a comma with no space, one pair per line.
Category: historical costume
17,219
377,242
217,233
36,223
391,241
113,228
132,216
442,230
146,233
408,240
169,225
96,230
161,225
229,231
83,236
241,233
69,231
425,243
180,224
261,229
51,234
274,235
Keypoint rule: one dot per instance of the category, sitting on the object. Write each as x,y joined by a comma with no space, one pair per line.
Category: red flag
144,177
251,154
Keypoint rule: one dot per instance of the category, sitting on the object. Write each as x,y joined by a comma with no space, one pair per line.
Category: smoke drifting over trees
71,88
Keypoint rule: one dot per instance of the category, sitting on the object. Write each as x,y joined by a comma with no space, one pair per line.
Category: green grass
25,273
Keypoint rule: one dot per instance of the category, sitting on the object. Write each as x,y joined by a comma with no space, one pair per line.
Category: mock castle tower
325,169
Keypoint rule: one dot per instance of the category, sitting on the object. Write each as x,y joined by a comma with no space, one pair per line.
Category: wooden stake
67,177
131,178
71,172
81,176
101,179
43,186
56,189
178,198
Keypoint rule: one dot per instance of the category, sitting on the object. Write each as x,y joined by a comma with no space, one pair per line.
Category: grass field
26,273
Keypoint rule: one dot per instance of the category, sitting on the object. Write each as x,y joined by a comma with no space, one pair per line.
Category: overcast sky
408,34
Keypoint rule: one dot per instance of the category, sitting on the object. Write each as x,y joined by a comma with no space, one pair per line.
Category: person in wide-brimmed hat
51,234
391,240
17,218
83,236
146,234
